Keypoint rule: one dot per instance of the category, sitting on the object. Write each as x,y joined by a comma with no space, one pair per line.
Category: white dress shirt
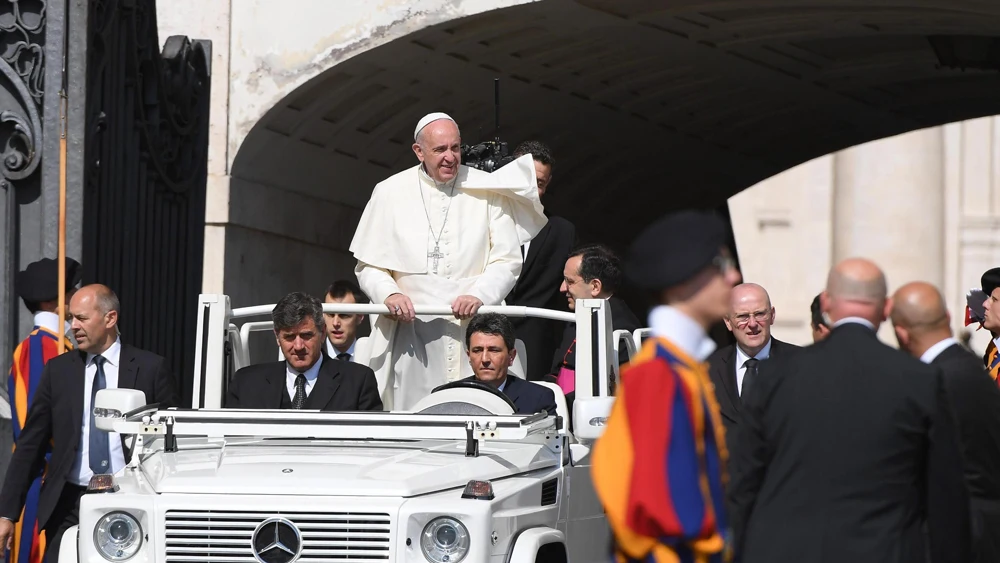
742,357
683,331
81,473
333,352
525,246
935,350
855,320
311,375
502,385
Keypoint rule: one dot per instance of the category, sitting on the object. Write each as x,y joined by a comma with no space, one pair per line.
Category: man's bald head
750,317
94,313
856,287
919,306
919,317
749,292
857,279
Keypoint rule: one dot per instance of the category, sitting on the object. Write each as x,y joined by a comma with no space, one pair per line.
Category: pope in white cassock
435,234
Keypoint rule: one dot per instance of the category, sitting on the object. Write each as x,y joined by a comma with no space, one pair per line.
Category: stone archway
648,108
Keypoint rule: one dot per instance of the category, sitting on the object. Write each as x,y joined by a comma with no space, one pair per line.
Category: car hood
324,467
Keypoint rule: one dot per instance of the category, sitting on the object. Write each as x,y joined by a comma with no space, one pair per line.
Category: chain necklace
435,254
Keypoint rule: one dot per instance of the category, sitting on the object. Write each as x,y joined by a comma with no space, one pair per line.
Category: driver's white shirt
311,375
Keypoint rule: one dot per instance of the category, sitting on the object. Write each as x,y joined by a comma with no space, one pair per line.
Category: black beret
674,249
991,281
40,280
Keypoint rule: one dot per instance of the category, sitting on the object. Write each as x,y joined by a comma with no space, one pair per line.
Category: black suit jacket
56,414
538,286
528,397
722,371
340,386
844,451
975,399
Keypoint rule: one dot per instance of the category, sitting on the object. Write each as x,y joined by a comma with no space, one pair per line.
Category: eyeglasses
743,320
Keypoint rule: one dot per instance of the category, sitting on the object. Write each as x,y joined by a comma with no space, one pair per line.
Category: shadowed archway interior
649,106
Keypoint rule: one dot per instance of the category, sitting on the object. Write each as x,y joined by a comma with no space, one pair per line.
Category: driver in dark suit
489,340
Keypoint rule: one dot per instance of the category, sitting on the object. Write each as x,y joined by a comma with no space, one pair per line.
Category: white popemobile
457,478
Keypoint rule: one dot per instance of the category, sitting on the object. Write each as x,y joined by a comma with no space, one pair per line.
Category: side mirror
111,405
590,416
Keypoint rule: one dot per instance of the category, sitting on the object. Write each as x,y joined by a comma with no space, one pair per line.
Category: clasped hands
401,308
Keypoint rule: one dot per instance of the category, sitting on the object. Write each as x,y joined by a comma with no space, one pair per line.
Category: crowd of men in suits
852,450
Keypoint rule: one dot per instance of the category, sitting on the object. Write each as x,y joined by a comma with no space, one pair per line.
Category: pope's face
439,147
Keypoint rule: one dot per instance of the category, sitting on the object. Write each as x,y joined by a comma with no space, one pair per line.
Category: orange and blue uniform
30,358
659,468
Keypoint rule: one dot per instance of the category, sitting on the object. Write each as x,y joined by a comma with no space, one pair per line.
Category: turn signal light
482,490
104,483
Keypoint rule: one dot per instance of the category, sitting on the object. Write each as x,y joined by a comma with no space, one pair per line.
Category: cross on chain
437,255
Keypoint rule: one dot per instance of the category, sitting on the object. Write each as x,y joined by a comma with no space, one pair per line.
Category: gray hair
295,308
106,300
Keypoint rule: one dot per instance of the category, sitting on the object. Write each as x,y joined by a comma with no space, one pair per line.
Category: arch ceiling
648,105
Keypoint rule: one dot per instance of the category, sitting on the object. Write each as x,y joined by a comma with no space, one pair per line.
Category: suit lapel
326,386
729,379
128,371
536,246
76,387
512,388
275,387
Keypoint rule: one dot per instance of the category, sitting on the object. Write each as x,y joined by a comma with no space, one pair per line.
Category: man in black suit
489,341
847,450
308,378
733,368
541,273
592,271
922,326
61,413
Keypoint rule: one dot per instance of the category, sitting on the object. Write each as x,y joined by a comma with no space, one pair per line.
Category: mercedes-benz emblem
276,540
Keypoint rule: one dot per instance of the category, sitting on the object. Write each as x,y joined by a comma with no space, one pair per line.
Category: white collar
502,385
50,322
996,342
112,355
669,323
332,351
855,320
935,350
440,185
311,373
764,353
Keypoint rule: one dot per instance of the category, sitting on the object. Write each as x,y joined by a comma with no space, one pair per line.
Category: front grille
219,536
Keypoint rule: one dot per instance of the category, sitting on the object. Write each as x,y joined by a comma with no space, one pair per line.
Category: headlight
444,540
117,536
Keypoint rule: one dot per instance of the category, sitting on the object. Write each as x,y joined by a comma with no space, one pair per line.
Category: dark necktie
749,375
100,452
344,356
299,400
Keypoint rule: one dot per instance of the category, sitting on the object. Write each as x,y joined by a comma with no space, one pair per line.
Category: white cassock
476,247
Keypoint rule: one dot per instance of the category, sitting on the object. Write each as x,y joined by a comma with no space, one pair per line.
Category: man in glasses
733,368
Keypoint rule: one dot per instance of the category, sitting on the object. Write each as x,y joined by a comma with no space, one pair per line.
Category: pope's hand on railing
465,306
400,308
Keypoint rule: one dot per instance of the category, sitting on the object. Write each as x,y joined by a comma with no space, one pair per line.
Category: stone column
889,206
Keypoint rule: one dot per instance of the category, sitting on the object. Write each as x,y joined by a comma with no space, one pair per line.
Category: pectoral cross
436,255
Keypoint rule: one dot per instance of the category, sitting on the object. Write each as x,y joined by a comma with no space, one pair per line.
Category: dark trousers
65,515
